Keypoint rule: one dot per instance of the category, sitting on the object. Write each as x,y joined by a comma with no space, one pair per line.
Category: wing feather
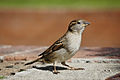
56,46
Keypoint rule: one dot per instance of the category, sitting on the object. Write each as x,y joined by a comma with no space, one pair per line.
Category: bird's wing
56,46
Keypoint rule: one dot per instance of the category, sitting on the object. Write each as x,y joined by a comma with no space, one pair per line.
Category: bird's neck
74,41
76,32
71,34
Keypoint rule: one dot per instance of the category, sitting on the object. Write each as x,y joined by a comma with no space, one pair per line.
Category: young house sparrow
65,47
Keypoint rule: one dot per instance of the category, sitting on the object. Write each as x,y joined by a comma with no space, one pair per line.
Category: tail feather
32,62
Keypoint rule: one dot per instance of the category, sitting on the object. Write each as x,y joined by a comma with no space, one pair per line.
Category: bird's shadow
50,68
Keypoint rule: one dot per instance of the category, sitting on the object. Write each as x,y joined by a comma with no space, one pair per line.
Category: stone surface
11,53
93,71
20,52
99,62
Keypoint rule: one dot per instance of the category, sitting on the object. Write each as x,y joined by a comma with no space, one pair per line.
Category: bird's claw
55,72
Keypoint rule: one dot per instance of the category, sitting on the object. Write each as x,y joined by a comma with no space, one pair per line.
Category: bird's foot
72,68
55,72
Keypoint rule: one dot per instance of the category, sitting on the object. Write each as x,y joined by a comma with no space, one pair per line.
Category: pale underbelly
64,57
59,56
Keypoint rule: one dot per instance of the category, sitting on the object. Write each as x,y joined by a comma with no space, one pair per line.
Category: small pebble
1,61
16,63
87,61
22,62
107,70
21,70
105,62
11,66
12,73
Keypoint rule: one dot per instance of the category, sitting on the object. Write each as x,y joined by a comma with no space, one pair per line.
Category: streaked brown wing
56,46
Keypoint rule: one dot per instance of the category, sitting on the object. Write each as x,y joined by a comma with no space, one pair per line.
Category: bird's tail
33,61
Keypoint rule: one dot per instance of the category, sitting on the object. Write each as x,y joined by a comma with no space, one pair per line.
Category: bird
65,47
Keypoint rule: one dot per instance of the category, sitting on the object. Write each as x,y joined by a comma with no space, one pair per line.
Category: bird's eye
78,22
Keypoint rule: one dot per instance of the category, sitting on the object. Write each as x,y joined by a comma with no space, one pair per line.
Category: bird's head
78,25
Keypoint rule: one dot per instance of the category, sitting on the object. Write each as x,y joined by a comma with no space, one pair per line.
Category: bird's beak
86,23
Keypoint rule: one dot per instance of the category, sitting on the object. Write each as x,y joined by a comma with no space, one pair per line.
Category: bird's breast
73,42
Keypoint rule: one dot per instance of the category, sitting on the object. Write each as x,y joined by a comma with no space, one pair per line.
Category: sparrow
65,47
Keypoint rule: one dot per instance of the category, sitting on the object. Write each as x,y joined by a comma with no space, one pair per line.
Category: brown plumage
65,47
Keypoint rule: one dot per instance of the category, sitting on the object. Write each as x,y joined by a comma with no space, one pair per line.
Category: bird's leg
55,71
71,68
